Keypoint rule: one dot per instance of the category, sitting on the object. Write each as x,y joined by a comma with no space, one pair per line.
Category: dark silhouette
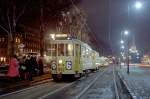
30,68
40,64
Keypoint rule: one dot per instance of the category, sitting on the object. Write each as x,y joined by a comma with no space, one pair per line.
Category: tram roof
76,41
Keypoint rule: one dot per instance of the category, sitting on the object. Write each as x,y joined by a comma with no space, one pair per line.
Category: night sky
98,12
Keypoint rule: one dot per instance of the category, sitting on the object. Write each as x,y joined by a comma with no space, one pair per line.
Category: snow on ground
138,81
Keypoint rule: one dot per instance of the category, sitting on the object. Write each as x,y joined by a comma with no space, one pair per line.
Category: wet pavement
7,86
96,85
137,82
103,88
53,90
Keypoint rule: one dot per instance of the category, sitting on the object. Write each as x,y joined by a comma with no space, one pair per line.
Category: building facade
25,42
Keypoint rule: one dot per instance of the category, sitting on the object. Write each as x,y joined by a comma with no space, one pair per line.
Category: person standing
34,65
13,70
30,69
40,64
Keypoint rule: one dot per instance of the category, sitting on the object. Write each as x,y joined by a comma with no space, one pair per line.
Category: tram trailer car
71,58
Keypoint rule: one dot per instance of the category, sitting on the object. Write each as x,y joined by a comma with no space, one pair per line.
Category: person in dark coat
30,68
40,64
35,65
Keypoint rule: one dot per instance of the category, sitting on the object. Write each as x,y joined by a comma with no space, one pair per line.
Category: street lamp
126,32
138,5
122,47
122,42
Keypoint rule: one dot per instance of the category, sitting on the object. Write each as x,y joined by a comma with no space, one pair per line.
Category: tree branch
4,29
10,31
22,12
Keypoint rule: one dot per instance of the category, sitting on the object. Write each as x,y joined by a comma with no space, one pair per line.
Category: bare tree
11,12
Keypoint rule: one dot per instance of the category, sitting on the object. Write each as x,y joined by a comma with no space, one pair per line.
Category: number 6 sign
68,65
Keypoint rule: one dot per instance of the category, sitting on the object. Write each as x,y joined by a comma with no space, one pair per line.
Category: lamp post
126,33
138,5
125,42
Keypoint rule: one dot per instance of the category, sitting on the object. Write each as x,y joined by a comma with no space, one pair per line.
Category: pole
128,70
128,60
41,30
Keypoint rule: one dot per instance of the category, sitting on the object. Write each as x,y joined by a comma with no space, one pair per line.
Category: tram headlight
53,65
60,61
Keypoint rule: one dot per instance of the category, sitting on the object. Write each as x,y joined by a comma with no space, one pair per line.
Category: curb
132,94
25,84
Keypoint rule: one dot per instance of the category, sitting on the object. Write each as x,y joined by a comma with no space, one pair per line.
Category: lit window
61,50
16,40
69,51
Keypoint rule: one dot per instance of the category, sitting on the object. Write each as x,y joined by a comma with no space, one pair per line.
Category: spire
133,48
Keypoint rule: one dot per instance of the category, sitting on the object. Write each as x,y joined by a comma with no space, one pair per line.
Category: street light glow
138,5
122,42
122,47
126,32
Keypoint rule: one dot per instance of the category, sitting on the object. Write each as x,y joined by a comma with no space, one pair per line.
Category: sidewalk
6,86
137,82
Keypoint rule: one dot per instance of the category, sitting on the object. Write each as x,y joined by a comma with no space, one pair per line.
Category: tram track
42,91
85,89
53,90
35,91
117,96
121,89
86,93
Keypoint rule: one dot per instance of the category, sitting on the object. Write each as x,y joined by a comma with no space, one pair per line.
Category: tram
71,58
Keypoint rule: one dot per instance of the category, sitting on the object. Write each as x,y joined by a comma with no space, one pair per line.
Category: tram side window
77,50
69,50
54,49
83,50
60,49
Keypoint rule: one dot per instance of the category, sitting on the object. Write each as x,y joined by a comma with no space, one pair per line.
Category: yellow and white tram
71,57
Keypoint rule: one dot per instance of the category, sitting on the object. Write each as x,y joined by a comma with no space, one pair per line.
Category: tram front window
60,49
54,49
69,50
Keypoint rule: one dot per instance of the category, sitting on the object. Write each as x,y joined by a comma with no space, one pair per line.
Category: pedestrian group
25,68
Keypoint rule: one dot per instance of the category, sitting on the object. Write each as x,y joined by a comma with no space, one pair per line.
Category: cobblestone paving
138,81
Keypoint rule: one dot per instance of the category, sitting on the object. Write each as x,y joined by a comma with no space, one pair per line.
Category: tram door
60,57
77,58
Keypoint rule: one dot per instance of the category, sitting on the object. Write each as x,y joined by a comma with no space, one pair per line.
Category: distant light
52,36
68,38
138,5
122,47
138,54
122,42
126,32
60,35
